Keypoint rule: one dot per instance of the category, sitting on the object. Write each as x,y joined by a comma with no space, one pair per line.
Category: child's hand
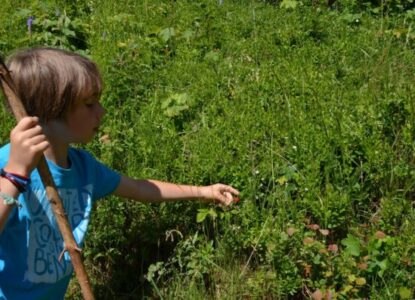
221,193
27,143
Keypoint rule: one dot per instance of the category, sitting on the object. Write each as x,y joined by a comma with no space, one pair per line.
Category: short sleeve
4,155
103,179
106,180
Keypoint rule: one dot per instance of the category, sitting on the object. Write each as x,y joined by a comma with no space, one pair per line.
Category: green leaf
212,56
201,215
383,265
405,293
282,180
352,245
68,32
154,31
174,105
289,4
187,34
352,18
167,33
212,213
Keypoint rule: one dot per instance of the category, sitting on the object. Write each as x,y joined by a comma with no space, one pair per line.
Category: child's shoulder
81,155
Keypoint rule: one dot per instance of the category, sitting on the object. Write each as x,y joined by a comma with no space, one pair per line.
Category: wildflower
291,231
333,248
360,281
324,232
29,23
308,241
314,227
317,295
380,235
329,295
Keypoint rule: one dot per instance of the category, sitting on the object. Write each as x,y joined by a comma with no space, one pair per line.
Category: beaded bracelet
9,200
19,181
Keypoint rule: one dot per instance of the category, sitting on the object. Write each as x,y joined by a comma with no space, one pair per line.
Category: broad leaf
352,245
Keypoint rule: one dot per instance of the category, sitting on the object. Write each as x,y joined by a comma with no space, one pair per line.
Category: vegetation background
306,109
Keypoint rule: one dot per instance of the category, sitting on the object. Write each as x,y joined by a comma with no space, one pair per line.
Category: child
61,91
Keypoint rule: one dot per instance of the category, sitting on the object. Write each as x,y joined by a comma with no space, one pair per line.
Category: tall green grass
308,112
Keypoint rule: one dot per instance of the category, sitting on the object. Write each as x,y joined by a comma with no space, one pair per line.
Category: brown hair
50,82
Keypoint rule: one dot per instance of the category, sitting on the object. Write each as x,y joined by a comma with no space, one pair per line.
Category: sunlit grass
308,112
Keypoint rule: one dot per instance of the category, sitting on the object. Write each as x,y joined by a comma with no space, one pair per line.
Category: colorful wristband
9,200
19,181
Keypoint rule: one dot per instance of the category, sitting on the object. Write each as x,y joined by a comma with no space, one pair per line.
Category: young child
60,91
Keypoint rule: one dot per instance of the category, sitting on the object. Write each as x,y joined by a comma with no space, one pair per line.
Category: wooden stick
19,112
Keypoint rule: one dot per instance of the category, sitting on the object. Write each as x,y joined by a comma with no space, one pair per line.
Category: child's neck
58,154
58,146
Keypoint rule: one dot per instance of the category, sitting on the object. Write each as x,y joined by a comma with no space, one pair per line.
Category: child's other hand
27,143
221,193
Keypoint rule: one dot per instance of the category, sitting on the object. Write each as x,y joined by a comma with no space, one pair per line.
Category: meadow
307,110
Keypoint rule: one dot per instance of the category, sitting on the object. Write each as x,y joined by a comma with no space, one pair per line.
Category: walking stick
19,112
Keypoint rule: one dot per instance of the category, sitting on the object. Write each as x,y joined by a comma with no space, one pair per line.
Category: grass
308,112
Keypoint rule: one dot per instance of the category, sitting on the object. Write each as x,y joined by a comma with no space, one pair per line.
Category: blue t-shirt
31,243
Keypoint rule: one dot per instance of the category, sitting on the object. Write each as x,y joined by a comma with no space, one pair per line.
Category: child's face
84,120
81,123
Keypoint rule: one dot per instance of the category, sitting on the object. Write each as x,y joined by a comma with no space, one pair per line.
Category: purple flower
30,21
29,24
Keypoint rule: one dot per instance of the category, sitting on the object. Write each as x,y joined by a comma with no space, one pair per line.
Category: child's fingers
26,123
227,188
222,198
27,127
225,194
40,147
32,132
232,190
37,139
229,197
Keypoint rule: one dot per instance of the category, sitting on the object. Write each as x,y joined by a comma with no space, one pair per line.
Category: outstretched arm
158,191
